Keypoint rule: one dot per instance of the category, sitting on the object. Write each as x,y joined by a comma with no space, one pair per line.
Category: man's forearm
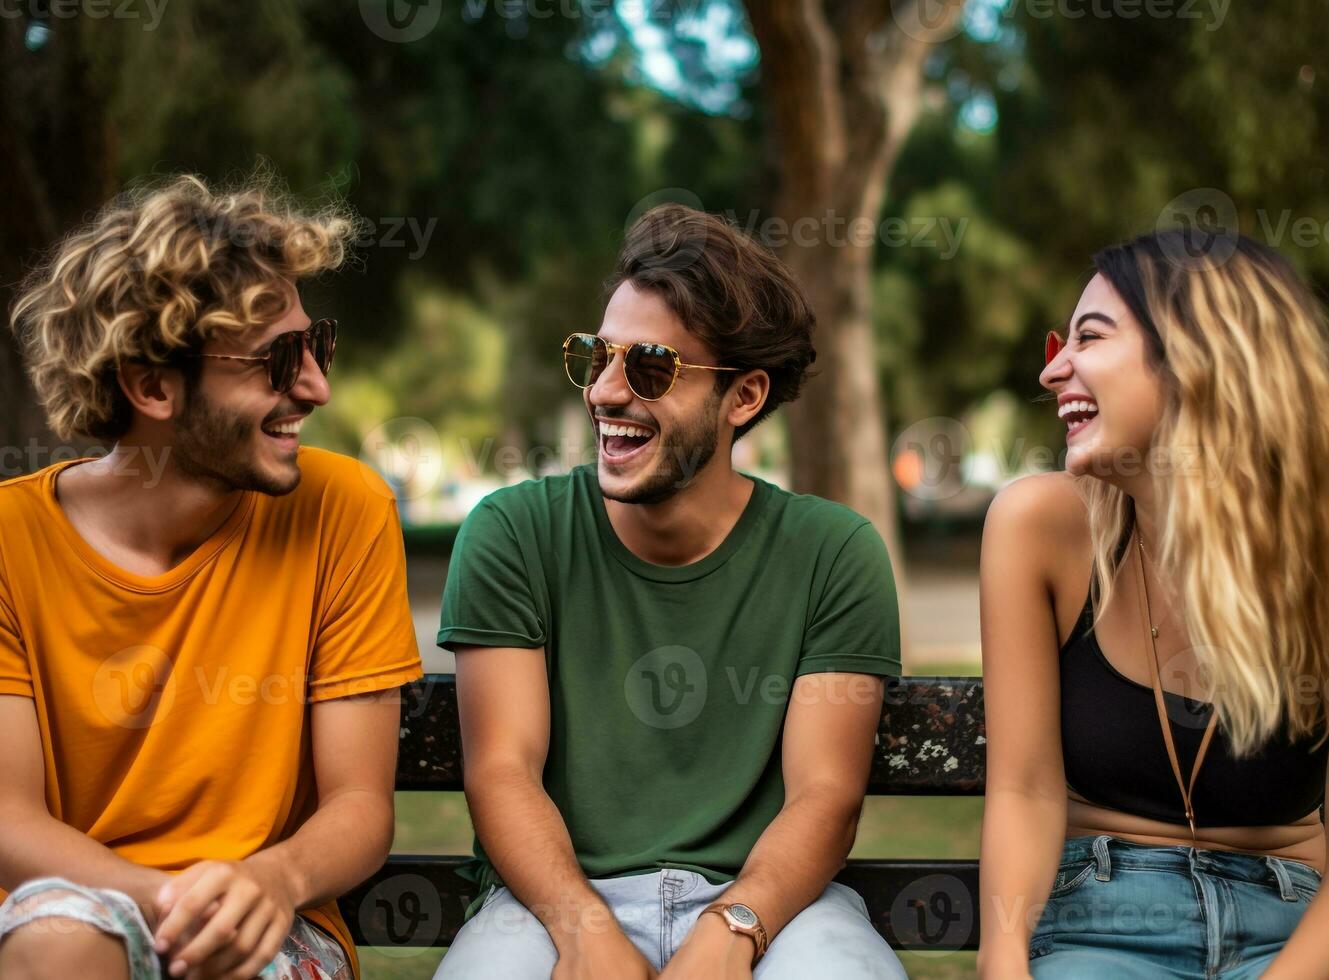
36,845
527,841
345,841
796,857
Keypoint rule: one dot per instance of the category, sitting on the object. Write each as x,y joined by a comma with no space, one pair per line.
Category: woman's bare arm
1024,820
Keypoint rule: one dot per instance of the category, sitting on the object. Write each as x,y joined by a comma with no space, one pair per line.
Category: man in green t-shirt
669,672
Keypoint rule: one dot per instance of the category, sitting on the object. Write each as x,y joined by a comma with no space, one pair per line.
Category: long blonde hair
159,270
1241,473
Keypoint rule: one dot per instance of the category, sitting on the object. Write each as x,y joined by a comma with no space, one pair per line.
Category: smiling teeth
1080,406
623,430
286,428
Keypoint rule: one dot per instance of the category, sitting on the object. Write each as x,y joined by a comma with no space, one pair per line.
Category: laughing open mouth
1077,414
285,433
620,442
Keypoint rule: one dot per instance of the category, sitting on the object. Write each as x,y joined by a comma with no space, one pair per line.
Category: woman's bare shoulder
1040,507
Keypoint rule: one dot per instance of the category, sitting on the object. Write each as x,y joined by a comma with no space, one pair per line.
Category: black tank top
1112,746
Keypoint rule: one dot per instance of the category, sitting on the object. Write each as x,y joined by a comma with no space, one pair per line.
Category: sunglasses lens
1052,347
322,342
583,358
284,365
650,369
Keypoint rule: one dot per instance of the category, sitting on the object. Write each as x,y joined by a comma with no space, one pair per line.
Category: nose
312,385
1058,371
611,388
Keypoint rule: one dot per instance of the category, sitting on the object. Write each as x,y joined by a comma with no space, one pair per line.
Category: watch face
743,915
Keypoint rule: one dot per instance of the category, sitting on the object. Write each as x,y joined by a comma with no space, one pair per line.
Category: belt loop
1104,872
1285,891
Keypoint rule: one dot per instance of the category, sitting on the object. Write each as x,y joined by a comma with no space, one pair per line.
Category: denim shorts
1122,910
306,953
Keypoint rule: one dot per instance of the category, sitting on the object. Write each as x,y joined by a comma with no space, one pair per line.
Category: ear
153,390
746,396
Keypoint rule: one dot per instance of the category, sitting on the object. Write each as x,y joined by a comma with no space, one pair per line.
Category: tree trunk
843,82
55,167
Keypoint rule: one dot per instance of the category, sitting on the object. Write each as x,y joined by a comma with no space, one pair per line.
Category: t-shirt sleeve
487,599
855,626
15,675
366,639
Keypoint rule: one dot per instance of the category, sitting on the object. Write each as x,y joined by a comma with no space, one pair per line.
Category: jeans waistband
1108,852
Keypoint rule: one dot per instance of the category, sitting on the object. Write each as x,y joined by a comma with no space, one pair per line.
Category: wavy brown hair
728,290
158,272
1241,347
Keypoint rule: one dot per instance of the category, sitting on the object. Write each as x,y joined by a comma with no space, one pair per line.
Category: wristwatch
742,919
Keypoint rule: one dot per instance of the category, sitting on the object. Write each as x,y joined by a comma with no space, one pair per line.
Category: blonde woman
1156,634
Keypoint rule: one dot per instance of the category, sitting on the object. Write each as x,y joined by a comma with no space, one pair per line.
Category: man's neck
140,512
689,525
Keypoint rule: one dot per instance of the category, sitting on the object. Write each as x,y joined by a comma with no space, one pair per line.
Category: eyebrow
1101,317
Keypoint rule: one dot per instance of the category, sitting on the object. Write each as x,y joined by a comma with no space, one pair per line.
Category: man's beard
679,458
216,447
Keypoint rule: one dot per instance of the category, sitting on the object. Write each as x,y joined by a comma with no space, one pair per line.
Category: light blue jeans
1122,910
832,938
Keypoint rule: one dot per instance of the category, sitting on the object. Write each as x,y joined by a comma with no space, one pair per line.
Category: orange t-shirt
174,708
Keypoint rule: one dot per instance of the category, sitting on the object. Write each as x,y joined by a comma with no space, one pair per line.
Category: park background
937,173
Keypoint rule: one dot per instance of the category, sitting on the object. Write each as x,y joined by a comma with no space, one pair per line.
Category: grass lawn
927,827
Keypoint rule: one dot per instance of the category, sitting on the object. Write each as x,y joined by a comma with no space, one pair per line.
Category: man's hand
594,956
224,920
712,952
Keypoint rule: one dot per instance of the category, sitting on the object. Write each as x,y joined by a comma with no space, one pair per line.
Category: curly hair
728,290
158,272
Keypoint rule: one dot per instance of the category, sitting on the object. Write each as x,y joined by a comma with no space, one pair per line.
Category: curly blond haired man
199,658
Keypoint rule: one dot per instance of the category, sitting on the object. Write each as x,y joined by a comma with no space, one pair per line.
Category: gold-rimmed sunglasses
285,356
651,370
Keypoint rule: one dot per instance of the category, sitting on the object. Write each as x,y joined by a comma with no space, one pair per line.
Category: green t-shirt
668,684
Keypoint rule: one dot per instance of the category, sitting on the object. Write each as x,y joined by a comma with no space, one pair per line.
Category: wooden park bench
930,743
